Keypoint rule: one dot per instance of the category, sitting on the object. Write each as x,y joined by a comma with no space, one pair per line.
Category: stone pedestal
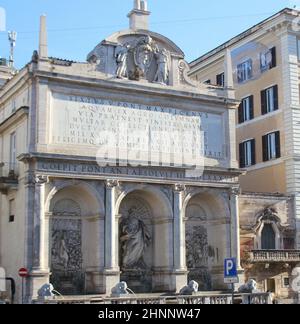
37,279
179,280
110,279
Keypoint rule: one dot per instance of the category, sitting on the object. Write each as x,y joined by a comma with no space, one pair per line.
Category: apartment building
265,61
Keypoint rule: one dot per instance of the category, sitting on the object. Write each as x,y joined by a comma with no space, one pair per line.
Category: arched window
268,241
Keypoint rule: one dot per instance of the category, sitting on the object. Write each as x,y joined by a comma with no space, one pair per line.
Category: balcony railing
270,256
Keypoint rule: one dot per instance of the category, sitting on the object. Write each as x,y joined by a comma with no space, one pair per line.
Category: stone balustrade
198,299
275,256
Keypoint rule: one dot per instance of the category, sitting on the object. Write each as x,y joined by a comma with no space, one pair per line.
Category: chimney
139,15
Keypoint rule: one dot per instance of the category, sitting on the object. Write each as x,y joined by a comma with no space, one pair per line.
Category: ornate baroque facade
85,226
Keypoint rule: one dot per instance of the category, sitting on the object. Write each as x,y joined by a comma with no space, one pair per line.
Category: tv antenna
12,37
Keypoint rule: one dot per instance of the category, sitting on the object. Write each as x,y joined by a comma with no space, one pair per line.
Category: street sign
230,271
23,272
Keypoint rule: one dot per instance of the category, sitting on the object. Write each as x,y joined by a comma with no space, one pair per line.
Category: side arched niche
76,238
207,239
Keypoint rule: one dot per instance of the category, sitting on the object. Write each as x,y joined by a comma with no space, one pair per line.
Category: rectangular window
269,100
286,282
12,210
221,79
13,152
246,109
268,59
244,71
247,154
271,146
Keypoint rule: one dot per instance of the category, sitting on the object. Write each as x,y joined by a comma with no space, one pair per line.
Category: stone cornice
61,166
14,118
191,93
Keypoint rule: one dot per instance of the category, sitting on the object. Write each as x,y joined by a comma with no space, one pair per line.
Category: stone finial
139,16
43,45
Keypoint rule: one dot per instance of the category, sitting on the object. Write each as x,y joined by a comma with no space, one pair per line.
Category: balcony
274,256
8,178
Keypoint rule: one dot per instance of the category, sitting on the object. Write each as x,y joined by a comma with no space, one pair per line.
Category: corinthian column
39,224
179,238
235,226
112,270
111,227
40,273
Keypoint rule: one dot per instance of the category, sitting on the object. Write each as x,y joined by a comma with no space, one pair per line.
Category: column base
110,278
169,281
99,281
180,278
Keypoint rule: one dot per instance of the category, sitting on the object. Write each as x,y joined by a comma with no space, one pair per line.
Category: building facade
75,211
266,80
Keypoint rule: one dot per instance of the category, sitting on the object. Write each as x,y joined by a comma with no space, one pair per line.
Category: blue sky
76,27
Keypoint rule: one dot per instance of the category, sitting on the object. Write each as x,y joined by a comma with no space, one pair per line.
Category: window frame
242,109
247,153
269,100
245,71
271,146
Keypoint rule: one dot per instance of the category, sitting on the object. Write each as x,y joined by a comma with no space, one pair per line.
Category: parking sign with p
230,271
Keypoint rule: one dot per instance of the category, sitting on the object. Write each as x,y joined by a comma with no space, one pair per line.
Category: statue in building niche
135,238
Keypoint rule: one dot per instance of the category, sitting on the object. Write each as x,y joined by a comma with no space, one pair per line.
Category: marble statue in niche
162,60
135,239
121,55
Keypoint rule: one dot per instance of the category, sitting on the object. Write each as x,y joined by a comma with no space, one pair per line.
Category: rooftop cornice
278,20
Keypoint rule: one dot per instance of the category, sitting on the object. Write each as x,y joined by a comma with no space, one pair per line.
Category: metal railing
275,256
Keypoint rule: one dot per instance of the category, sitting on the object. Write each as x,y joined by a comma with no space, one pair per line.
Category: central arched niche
206,240
145,241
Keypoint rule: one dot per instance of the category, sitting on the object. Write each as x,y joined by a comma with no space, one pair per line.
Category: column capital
41,179
112,183
235,191
179,187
